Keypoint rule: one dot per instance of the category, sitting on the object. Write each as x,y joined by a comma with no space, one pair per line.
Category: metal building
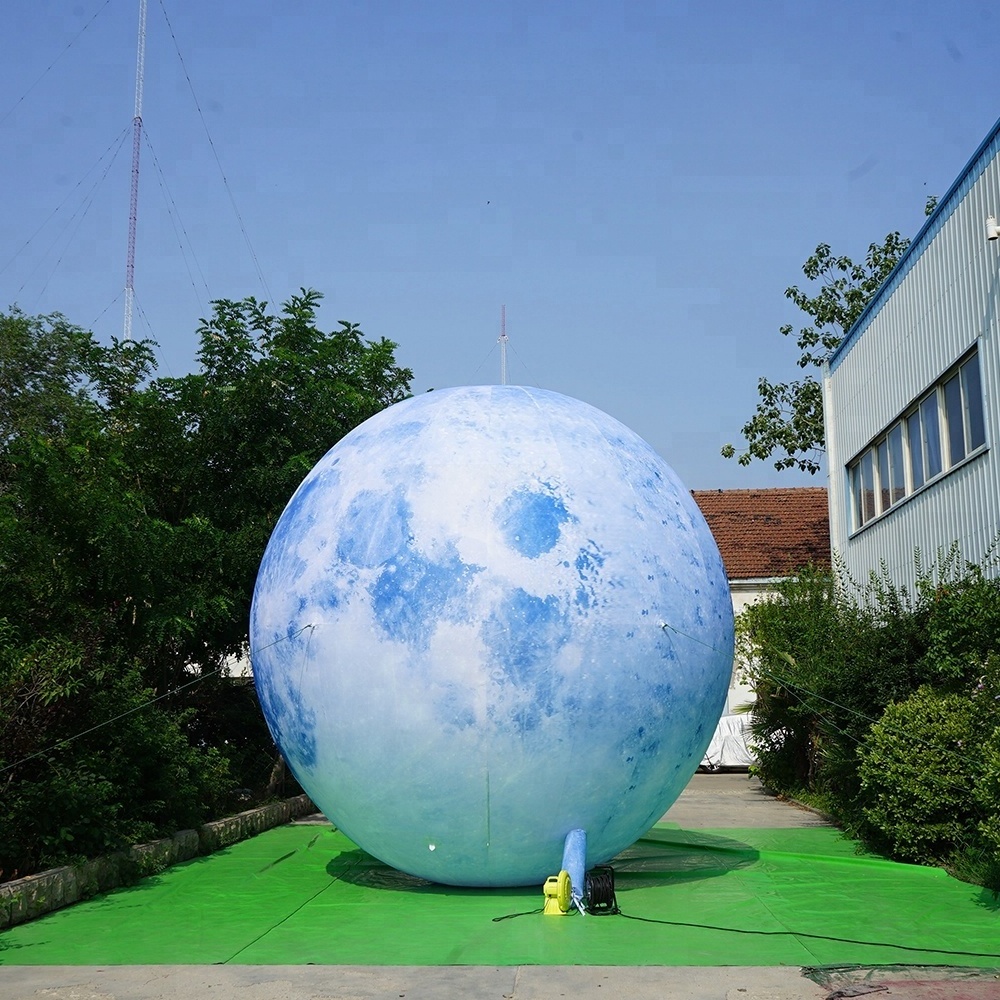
911,395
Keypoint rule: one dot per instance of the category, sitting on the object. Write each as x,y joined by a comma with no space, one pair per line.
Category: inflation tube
574,862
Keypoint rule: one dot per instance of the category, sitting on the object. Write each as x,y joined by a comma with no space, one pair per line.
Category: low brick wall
30,897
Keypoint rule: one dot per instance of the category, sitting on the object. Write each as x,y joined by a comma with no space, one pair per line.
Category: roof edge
930,228
721,490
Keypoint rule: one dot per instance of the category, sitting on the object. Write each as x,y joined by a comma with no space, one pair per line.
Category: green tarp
305,894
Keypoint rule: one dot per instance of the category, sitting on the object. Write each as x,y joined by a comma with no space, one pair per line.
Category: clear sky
638,182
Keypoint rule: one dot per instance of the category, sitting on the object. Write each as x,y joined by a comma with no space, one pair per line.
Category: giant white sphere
489,616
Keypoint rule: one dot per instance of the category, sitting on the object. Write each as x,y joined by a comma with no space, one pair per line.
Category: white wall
744,593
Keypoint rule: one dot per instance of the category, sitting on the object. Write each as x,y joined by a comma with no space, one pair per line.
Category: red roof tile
768,533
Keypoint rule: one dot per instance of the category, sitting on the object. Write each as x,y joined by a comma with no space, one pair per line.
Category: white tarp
729,744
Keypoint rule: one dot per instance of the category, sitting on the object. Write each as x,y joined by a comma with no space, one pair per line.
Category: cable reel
600,894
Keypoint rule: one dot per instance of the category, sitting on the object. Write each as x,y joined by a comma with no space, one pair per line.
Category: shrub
916,767
226,715
884,706
962,624
979,861
824,666
72,786
173,784
930,773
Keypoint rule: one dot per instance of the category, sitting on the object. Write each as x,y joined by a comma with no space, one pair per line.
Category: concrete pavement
526,982
735,800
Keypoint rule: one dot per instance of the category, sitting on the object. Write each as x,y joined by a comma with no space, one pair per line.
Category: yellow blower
558,891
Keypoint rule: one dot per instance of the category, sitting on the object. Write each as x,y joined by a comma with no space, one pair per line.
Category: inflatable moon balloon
490,616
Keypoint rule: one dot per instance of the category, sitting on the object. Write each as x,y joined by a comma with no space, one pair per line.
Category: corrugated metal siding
946,301
956,193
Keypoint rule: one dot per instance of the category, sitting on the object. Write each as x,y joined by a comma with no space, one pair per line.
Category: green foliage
916,766
963,625
46,371
70,786
887,708
134,511
979,861
823,664
224,714
788,421
930,774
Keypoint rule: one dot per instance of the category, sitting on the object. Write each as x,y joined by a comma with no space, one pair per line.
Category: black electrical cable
600,883
139,708
813,937
510,916
796,934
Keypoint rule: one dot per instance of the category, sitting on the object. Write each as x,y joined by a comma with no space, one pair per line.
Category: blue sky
636,182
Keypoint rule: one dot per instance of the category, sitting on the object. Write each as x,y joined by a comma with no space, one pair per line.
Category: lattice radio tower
140,68
502,341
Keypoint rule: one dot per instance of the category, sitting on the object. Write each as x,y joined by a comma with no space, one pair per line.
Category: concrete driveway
735,800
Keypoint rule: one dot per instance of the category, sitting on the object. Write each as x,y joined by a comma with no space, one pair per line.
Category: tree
147,502
134,512
788,422
74,533
46,370
223,449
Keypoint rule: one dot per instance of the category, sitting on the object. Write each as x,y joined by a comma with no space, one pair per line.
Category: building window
936,432
972,395
916,451
930,434
863,488
897,464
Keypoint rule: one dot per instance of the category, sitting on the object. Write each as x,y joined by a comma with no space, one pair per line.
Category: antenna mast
140,67
502,341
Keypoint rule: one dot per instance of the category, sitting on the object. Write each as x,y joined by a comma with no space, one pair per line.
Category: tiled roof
768,533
